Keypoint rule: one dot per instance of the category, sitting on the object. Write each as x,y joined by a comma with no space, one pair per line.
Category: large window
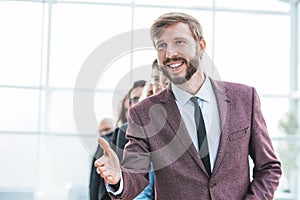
46,46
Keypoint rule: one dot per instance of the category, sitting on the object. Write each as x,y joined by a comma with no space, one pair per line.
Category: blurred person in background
134,95
97,188
123,111
106,127
158,80
156,84
110,132
140,90
122,118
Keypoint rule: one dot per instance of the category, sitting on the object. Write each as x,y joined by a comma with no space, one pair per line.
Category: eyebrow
158,41
105,129
176,38
135,97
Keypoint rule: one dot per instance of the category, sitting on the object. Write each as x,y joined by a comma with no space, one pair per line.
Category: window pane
18,169
272,5
19,109
21,37
106,106
115,72
119,76
60,113
107,102
287,150
96,1
142,63
65,168
274,110
123,78
254,50
179,3
77,30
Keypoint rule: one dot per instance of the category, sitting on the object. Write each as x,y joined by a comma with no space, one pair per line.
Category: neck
194,84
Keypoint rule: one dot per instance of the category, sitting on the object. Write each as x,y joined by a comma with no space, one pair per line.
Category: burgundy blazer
157,134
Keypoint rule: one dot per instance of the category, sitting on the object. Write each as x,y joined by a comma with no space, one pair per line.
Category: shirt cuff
116,190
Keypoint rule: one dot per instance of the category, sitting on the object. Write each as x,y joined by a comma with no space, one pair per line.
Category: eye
179,42
161,46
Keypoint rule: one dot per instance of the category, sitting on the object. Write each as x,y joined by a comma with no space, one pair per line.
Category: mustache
174,59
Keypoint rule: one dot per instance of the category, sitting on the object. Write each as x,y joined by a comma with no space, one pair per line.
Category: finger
102,168
98,163
104,145
98,171
105,174
110,179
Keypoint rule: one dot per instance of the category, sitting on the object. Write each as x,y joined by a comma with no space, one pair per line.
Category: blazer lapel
224,106
175,121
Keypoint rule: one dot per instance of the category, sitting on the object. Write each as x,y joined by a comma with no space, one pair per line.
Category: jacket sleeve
267,168
135,165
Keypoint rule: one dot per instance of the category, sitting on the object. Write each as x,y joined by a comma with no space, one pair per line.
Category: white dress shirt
208,105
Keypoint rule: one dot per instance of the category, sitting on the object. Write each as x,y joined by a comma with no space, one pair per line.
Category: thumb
104,145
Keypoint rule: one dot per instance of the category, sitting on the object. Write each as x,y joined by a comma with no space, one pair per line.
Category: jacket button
212,184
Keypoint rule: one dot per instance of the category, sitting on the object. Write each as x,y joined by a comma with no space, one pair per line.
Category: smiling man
174,48
198,133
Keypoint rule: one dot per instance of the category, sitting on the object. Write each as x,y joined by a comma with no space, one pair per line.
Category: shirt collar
183,97
205,91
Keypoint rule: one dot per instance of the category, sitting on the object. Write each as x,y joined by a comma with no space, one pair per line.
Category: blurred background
44,44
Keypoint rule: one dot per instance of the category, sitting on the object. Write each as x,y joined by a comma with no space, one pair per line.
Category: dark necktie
201,134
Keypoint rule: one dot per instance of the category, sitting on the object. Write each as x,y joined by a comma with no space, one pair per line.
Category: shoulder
237,86
157,99
234,89
122,129
152,107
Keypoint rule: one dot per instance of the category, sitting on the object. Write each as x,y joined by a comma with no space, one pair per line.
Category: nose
171,52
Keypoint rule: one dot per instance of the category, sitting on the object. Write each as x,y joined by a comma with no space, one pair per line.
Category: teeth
175,65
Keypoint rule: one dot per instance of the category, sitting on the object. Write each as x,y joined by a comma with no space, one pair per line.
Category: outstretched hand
108,166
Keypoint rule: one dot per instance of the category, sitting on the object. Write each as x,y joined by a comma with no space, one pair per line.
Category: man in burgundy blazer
159,131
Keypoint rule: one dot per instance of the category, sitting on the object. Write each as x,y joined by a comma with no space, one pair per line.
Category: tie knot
195,100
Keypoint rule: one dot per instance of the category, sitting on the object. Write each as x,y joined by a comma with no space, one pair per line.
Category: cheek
190,52
160,57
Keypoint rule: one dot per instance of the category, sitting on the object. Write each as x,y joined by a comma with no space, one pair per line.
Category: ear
201,45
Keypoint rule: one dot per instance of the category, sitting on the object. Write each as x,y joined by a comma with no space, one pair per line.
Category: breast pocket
241,133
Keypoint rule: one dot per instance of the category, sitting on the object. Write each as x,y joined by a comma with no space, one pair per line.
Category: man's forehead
105,124
179,30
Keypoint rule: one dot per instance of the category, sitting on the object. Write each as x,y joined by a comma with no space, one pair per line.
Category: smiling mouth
175,65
